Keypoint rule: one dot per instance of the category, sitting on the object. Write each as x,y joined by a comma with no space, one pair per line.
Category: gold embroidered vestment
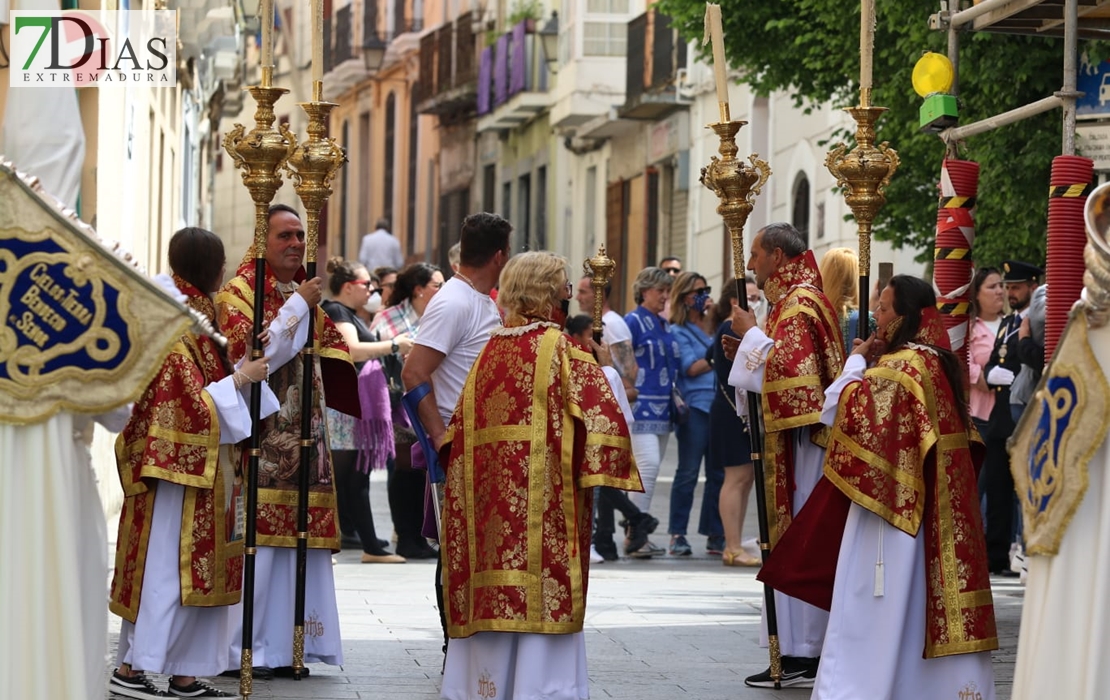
174,436
806,358
536,428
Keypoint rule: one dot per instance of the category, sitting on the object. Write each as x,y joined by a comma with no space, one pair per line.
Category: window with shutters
604,38
390,155
800,208
614,242
414,137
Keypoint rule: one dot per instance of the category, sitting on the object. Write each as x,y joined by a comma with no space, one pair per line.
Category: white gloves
166,283
1000,376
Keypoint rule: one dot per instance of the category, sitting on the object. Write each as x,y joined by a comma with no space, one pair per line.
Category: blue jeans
693,446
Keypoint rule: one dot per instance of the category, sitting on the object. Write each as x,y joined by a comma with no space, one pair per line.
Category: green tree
810,48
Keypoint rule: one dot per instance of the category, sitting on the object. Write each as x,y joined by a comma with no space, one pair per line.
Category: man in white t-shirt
455,327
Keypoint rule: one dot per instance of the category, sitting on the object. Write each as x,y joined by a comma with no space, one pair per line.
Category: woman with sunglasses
350,286
691,300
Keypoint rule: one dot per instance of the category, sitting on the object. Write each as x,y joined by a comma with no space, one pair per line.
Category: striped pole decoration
1067,236
952,267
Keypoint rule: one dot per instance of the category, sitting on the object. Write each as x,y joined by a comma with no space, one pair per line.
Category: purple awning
501,71
485,80
518,69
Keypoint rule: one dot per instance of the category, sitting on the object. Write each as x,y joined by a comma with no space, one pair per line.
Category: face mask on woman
699,302
373,304
758,306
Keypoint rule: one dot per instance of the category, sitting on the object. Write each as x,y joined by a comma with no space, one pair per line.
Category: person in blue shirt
690,300
656,355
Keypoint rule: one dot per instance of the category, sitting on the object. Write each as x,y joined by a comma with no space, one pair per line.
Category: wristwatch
393,346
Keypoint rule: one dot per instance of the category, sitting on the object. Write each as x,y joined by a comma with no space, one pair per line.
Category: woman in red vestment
911,611
535,429
179,558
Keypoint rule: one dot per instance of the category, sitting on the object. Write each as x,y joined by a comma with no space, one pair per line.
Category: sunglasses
369,284
702,291
672,270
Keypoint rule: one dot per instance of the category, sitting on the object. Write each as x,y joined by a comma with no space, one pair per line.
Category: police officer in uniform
995,480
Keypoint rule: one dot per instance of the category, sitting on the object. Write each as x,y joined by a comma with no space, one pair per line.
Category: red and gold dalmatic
900,450
806,358
536,428
280,462
174,436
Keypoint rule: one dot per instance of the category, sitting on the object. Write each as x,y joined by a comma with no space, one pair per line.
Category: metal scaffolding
1072,19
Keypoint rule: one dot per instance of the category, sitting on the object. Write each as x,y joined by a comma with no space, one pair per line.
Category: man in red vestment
535,429
289,301
790,365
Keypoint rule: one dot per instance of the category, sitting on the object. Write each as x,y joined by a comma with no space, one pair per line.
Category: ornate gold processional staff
865,171
312,166
261,155
600,268
736,185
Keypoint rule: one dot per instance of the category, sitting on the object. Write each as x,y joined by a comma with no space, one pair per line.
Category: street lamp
373,53
549,35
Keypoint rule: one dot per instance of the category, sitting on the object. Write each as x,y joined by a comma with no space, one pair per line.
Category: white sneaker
595,558
1017,558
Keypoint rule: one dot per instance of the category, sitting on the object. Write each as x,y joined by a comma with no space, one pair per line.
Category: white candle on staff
720,68
866,48
317,40
266,17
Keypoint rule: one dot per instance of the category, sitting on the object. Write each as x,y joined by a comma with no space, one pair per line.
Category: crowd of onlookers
668,352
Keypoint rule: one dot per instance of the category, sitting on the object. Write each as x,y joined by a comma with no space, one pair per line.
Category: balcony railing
655,55
448,70
343,46
512,79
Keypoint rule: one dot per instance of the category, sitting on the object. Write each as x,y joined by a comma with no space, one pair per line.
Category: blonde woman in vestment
536,428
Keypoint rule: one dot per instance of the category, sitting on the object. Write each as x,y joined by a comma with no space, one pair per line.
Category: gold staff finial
313,167
864,173
600,268
736,185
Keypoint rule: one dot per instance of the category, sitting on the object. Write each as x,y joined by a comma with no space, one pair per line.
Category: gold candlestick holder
600,268
261,155
313,166
736,185
864,173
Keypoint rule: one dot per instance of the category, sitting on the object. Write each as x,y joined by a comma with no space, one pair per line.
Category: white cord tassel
880,583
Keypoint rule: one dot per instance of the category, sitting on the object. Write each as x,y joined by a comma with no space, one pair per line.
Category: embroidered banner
1058,434
83,330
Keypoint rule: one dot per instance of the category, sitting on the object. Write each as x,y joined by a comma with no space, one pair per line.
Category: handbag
403,435
680,410
391,366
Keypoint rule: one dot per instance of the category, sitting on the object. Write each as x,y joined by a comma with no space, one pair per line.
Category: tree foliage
810,48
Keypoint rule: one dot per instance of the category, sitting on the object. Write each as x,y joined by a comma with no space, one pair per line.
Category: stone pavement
664,628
